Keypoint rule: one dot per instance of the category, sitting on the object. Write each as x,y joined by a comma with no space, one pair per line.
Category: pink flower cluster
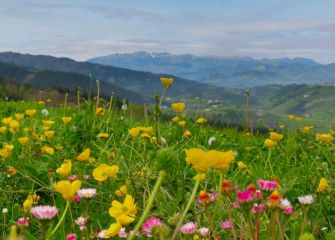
23,222
150,224
189,228
267,185
226,224
245,196
44,212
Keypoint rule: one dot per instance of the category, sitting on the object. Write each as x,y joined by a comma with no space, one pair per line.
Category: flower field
91,170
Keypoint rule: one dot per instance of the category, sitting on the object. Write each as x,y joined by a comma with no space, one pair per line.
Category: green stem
60,220
149,205
190,201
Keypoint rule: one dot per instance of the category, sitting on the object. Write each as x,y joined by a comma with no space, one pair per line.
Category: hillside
239,72
55,79
144,83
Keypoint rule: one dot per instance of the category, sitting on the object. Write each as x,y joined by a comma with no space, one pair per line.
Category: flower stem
60,220
190,201
304,221
149,205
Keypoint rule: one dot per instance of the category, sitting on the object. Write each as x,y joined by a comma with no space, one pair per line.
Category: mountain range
237,72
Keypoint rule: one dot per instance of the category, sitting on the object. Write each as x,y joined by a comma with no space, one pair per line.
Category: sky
82,29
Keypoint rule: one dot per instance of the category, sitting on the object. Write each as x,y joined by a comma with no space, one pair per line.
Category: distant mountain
53,79
144,83
239,72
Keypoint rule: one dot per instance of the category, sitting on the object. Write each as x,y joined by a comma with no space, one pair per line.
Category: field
100,171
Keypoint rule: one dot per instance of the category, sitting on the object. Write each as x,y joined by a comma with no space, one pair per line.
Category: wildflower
270,143
48,150
81,222
206,198
122,191
31,112
150,224
325,137
241,165
23,221
221,160
100,111
189,228
287,207
323,185
276,136
281,126
73,178
187,134
14,126
103,172
124,213
7,121
87,193
49,134
298,119
245,196
76,199
4,210
274,199
134,132
23,140
201,121
178,107
197,158
67,189
65,168
71,236
307,129
3,129
19,116
112,231
291,116
226,224
266,185
45,112
211,141
11,171
175,119
84,156
200,176
103,135
226,186
204,232
306,200
44,212
124,107
66,120
166,81
122,233
258,208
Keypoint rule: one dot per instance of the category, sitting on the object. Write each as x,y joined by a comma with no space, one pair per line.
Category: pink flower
149,224
44,212
86,193
87,177
258,208
226,224
76,199
287,207
189,228
73,177
122,233
81,222
203,231
259,195
23,222
245,196
266,185
71,236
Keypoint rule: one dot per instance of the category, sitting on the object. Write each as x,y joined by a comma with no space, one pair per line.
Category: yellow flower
220,160
325,137
276,136
298,119
14,126
103,135
166,81
100,111
48,123
3,129
67,189
113,230
49,100
7,121
28,203
49,134
270,143
307,129
178,107
19,116
9,147
125,212
291,116
145,136
201,120
181,123
5,153
104,171
84,156
175,119
134,132
65,168
41,102
187,133
66,120
26,130
323,185
122,191
48,150
147,130
281,126
23,140
241,165
31,112
200,176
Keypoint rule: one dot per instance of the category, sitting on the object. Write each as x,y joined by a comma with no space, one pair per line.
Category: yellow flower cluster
6,151
104,171
144,132
273,140
202,160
